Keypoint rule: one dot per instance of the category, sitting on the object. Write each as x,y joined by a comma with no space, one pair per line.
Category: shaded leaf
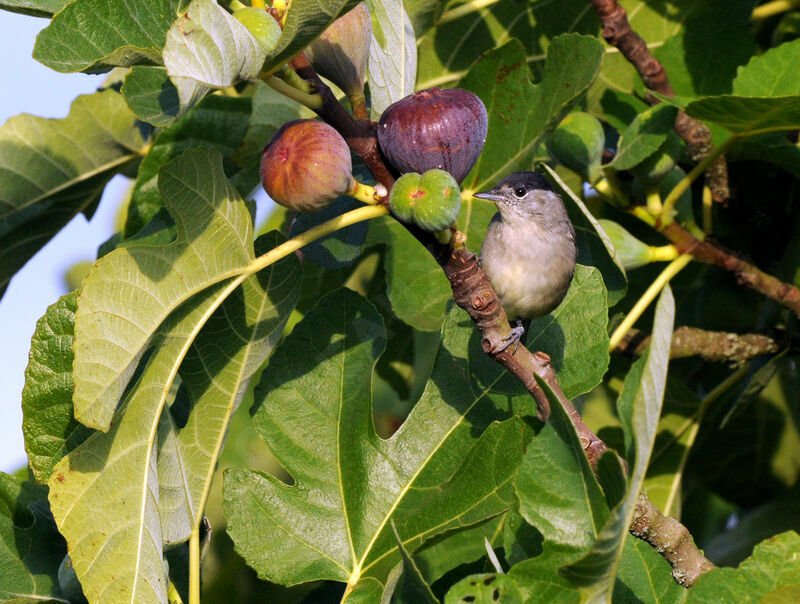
644,136
49,427
575,334
413,587
392,66
771,574
95,35
218,122
30,547
437,473
151,95
520,113
645,576
748,115
51,169
208,48
341,247
130,291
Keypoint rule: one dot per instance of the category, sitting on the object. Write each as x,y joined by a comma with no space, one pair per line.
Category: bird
529,252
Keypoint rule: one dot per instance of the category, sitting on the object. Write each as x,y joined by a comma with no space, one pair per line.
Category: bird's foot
512,338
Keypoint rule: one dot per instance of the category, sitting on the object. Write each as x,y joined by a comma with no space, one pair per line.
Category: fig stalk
363,192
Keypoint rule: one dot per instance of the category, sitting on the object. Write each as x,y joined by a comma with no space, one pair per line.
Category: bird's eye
519,191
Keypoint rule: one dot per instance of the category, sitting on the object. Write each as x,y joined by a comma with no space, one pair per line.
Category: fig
306,165
631,252
341,52
578,143
261,24
431,200
443,129
653,169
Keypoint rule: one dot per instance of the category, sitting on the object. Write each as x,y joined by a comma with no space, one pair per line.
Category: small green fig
653,169
261,24
578,143
431,200
306,165
342,51
631,252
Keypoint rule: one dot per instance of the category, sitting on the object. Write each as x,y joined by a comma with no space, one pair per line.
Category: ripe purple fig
306,165
341,52
434,128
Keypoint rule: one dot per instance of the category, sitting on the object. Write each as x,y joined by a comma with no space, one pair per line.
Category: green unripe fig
261,24
431,200
342,51
578,143
306,165
653,169
631,252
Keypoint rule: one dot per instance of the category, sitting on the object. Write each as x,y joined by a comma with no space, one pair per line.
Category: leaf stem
312,101
663,253
363,192
464,9
686,181
773,8
672,269
194,564
708,203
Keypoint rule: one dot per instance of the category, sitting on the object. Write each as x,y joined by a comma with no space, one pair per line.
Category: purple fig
434,128
341,52
306,165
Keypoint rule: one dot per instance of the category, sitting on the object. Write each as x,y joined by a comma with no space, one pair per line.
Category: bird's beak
490,195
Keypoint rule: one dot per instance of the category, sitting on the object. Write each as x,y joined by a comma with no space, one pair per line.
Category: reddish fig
306,165
435,128
341,52
431,200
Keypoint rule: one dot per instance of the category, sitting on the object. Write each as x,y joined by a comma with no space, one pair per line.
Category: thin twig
617,32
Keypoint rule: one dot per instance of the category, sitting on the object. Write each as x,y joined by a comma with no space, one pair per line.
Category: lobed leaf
439,472
392,66
132,290
52,169
95,35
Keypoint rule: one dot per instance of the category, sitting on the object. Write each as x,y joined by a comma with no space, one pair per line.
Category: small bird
529,252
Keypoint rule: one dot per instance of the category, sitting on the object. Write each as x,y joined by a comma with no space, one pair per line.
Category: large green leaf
306,20
218,122
95,35
770,74
105,493
575,334
51,169
48,424
392,66
520,113
151,95
130,291
439,472
639,408
771,574
207,48
37,8
644,136
216,372
30,547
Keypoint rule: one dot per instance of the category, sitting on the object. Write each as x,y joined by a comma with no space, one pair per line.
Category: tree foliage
311,392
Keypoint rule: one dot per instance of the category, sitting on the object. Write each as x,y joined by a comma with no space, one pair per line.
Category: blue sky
29,87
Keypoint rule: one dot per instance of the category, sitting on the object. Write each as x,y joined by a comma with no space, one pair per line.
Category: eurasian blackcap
529,251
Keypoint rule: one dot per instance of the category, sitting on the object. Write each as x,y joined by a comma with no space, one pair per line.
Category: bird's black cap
522,181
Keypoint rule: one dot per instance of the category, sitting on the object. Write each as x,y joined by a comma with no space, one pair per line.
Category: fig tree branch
714,346
617,32
473,292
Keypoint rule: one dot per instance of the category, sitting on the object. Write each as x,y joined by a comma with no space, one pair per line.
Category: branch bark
473,292
617,32
714,346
